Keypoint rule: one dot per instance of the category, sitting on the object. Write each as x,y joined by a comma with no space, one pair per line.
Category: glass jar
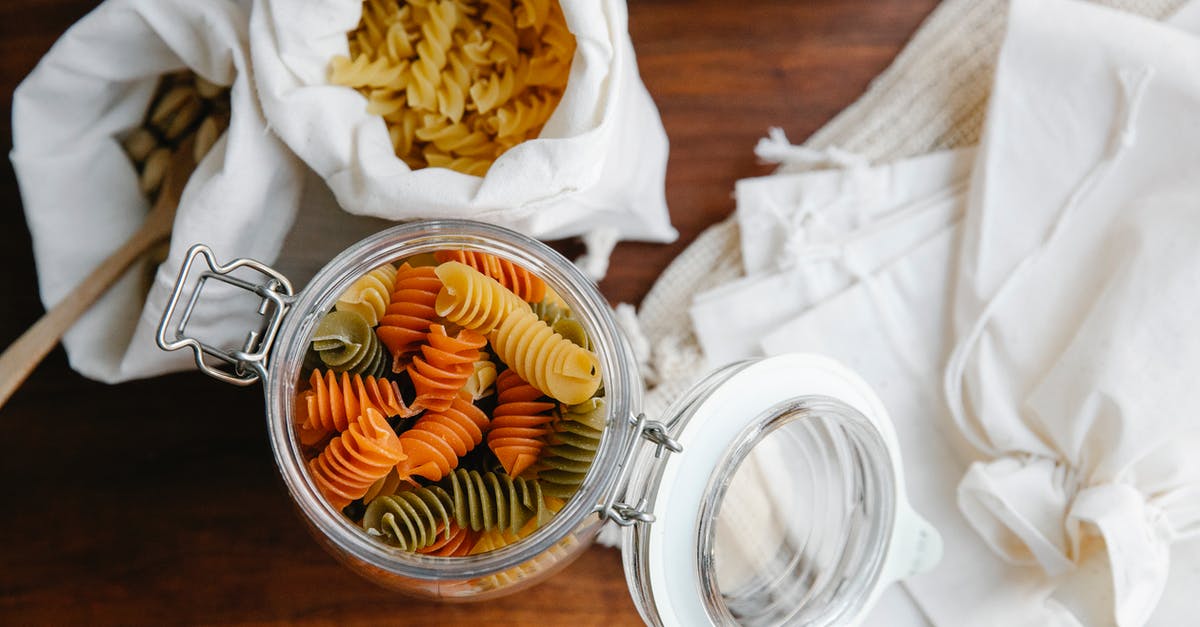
771,492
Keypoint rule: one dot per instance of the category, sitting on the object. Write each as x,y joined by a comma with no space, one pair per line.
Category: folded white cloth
1076,353
80,190
597,168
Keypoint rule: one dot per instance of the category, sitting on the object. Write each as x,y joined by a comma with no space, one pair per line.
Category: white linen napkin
80,190
597,169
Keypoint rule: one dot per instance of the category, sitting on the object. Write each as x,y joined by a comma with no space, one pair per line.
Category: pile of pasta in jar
450,403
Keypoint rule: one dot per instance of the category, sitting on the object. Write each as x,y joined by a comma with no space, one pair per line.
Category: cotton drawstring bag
596,169
1076,354
80,189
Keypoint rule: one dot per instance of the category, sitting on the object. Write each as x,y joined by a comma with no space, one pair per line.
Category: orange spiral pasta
406,321
443,367
526,285
548,361
332,404
353,461
434,444
519,424
459,543
472,299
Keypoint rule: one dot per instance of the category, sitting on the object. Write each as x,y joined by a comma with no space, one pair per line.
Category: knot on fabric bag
1034,510
600,243
775,148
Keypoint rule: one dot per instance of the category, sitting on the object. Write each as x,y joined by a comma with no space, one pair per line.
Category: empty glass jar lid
785,506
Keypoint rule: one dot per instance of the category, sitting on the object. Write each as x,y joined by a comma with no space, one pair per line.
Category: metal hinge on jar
239,367
655,432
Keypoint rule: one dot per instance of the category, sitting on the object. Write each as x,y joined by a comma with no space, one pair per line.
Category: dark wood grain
158,501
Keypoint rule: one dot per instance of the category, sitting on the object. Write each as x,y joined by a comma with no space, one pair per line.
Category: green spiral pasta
572,448
411,519
559,318
345,342
550,310
489,500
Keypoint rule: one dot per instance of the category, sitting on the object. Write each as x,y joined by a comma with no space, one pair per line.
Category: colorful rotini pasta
468,359
433,445
458,83
370,295
443,367
411,519
526,285
495,501
562,370
410,311
459,543
480,383
352,462
571,448
472,299
520,423
346,343
331,404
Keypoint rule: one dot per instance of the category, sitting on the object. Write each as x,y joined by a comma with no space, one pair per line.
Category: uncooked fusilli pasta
434,444
331,404
364,453
406,321
474,300
519,424
401,456
571,448
564,371
458,82
443,367
526,285
370,295
346,343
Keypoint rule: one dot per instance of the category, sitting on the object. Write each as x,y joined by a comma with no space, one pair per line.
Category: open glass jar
770,493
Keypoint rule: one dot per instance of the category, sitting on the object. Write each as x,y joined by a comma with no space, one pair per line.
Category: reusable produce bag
1077,357
597,169
80,189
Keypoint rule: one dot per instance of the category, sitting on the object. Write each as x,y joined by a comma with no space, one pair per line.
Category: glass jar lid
785,506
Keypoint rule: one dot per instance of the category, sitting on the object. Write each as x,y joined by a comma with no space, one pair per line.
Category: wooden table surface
158,501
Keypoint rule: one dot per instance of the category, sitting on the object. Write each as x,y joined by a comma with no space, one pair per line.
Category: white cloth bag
80,190
1077,355
598,166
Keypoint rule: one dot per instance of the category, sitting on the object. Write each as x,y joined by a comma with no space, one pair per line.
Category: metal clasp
622,513
240,367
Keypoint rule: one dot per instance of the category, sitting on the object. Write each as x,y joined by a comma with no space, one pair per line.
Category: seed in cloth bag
80,188
596,168
1077,356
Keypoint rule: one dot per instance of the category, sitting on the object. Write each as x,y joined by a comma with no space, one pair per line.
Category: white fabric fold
1076,355
599,165
80,191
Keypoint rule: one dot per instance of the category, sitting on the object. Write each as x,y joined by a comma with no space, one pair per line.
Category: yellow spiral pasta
458,82
370,295
549,362
480,383
473,300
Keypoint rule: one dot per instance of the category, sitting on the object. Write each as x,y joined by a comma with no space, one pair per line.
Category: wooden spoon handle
19,359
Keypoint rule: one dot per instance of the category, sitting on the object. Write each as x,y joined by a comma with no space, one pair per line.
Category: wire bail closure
239,367
656,433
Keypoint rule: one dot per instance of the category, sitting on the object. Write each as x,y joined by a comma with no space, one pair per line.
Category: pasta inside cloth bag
597,167
1076,356
80,188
